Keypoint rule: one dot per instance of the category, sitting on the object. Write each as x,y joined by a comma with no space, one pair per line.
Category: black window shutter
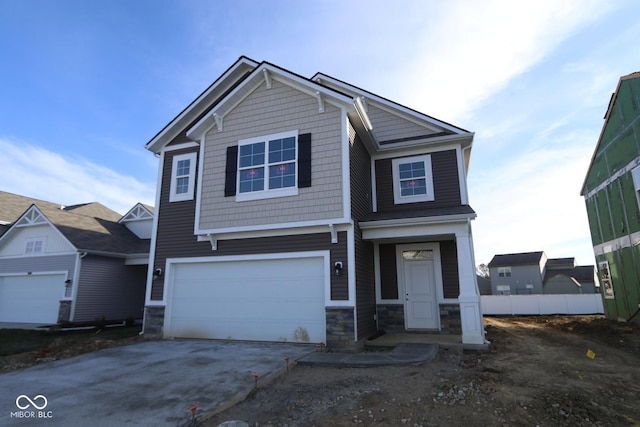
230,173
304,160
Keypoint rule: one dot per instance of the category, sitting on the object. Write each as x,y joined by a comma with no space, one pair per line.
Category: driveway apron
146,384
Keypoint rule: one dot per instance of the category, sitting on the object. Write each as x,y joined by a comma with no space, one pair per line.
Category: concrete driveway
145,384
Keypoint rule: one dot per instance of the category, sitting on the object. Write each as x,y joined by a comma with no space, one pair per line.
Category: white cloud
473,49
36,172
533,203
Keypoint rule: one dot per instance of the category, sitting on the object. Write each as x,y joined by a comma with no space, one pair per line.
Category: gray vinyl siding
265,112
109,288
39,264
388,127
446,185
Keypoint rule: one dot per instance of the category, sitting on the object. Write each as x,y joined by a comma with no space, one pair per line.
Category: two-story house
79,263
517,274
611,191
534,273
310,210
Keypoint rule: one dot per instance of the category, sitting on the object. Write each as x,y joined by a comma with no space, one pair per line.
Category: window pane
413,187
411,170
282,150
252,180
252,155
282,176
417,254
183,167
182,185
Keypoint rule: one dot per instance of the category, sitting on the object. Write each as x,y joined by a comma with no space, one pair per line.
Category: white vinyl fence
542,304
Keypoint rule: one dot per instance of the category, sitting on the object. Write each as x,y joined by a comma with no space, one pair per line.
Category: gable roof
612,102
510,260
209,108
211,95
265,72
88,226
581,273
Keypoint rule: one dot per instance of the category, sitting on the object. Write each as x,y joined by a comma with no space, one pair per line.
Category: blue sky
85,84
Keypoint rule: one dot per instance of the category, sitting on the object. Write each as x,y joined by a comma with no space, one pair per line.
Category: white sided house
71,264
309,210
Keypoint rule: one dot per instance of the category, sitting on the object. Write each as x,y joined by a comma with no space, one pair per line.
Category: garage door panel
31,298
262,300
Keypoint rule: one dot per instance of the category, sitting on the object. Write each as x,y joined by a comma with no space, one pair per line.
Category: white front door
418,266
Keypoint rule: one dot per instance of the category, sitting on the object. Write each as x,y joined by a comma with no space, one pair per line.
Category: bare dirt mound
544,371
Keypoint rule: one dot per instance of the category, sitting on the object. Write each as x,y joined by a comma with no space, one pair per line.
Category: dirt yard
539,371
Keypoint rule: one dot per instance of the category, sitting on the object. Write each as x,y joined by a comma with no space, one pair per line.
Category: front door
419,277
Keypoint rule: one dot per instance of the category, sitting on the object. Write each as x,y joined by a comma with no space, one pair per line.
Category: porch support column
469,298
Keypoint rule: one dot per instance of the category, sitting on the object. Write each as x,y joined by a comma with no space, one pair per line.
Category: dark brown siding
176,239
449,260
449,264
446,186
360,170
361,207
365,286
388,272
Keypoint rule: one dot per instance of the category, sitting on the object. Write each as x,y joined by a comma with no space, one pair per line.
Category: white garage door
257,300
31,299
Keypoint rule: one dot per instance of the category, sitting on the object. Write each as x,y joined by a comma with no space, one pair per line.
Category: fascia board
244,89
465,140
12,230
409,222
390,105
200,104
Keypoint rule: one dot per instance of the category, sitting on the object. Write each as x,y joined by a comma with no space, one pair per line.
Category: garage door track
149,383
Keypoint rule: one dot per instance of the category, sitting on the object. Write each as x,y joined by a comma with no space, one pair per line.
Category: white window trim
173,196
397,197
34,240
267,193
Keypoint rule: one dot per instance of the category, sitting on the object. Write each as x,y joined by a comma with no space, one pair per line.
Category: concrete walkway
402,354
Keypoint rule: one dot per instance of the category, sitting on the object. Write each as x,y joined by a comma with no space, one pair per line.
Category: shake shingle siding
266,112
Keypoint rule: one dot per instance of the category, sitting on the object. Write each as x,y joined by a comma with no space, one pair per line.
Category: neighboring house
76,263
297,209
611,193
517,274
533,273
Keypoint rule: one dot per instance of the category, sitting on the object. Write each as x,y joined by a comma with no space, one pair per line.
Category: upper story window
267,166
183,175
504,271
34,246
412,179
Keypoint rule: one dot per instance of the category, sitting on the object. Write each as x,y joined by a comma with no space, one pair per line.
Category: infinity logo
30,402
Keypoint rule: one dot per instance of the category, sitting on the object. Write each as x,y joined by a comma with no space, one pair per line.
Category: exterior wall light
157,273
337,268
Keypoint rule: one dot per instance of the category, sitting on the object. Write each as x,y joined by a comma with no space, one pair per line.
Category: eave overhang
266,73
203,102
